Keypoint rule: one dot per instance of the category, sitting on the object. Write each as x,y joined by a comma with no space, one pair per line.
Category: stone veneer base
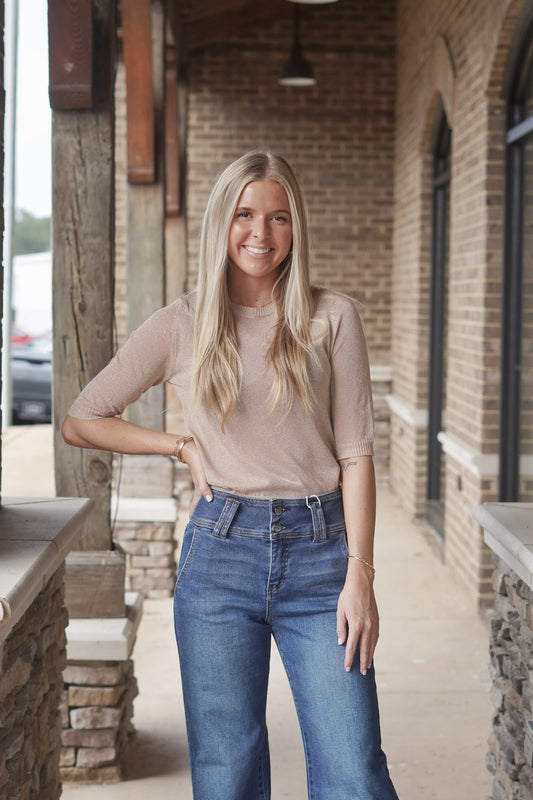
31,663
97,701
509,533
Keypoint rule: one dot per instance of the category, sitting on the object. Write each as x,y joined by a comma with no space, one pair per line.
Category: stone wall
144,522
150,548
31,663
97,711
510,758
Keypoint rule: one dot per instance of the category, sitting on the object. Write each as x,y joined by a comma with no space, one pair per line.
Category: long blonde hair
216,363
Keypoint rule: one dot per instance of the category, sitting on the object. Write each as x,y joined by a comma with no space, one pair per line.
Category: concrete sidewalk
431,669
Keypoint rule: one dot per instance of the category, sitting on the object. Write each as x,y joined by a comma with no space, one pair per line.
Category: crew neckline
254,311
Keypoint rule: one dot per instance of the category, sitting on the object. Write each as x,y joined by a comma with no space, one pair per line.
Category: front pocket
190,537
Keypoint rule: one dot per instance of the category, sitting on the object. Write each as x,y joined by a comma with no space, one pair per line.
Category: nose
260,229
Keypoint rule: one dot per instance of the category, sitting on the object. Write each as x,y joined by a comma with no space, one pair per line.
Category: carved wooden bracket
136,26
71,58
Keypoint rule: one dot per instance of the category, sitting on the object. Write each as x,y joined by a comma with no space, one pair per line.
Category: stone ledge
509,533
105,639
480,464
381,373
36,534
144,509
414,417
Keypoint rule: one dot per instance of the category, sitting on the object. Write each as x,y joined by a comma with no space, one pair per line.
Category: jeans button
277,527
278,510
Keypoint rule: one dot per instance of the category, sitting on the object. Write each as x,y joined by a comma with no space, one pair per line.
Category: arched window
516,422
438,318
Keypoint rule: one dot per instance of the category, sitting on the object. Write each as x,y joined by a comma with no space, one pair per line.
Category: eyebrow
276,211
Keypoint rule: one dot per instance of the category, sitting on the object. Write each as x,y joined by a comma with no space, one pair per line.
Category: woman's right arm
121,436
118,435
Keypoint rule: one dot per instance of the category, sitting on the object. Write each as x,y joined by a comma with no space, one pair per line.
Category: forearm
357,613
359,501
117,435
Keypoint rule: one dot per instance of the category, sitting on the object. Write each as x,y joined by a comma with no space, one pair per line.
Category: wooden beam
204,9
71,60
83,268
137,43
218,27
172,144
146,231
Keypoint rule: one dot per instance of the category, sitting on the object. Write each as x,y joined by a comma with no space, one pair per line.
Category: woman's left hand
358,617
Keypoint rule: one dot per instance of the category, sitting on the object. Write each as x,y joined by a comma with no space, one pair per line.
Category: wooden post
83,210
146,229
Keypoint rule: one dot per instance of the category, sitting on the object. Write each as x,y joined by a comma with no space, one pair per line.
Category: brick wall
31,663
451,55
338,135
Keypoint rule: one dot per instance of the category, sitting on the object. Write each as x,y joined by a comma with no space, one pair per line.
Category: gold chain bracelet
366,563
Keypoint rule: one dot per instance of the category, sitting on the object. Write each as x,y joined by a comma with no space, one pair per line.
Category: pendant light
297,71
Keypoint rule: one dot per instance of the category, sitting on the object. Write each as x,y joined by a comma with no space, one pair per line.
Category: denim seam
262,787
235,530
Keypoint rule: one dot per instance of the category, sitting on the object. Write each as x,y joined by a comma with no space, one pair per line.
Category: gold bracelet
179,446
366,563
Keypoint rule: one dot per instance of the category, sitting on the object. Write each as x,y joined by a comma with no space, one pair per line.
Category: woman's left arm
357,613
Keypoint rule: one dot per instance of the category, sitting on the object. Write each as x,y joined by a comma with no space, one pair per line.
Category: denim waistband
315,515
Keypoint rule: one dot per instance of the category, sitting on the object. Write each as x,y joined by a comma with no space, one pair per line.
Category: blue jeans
251,568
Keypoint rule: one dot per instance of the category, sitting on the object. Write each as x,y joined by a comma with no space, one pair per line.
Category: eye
243,214
280,218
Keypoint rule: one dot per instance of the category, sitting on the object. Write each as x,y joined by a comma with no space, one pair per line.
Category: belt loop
226,518
317,515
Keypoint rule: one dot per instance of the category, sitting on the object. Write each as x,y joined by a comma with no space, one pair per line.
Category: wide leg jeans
251,569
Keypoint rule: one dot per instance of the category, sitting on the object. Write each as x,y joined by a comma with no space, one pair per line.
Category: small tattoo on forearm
349,464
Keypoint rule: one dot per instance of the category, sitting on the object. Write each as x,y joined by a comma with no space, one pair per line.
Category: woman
274,381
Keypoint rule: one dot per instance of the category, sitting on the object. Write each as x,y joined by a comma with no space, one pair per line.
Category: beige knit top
260,453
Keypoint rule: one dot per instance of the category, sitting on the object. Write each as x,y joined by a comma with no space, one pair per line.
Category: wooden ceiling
200,23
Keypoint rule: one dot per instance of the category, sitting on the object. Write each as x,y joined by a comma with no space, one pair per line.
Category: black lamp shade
297,71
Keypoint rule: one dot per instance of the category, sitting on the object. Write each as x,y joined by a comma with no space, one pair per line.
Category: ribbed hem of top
250,311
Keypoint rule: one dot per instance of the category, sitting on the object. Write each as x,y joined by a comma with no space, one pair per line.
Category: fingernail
364,672
347,669
339,640
209,498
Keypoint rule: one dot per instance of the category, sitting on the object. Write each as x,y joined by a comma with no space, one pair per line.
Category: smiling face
259,240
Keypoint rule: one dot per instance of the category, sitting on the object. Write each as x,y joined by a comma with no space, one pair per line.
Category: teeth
260,251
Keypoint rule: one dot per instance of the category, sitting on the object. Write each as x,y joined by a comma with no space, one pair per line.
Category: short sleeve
145,360
352,413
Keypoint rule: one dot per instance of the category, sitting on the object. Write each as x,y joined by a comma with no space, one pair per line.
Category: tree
31,234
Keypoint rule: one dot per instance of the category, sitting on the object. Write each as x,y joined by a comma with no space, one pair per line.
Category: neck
252,295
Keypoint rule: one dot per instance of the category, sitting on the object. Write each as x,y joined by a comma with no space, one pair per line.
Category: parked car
31,381
20,336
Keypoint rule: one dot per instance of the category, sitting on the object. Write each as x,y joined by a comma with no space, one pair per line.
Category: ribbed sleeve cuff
363,448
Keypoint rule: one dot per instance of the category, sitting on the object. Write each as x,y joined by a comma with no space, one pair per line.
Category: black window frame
439,257
519,128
